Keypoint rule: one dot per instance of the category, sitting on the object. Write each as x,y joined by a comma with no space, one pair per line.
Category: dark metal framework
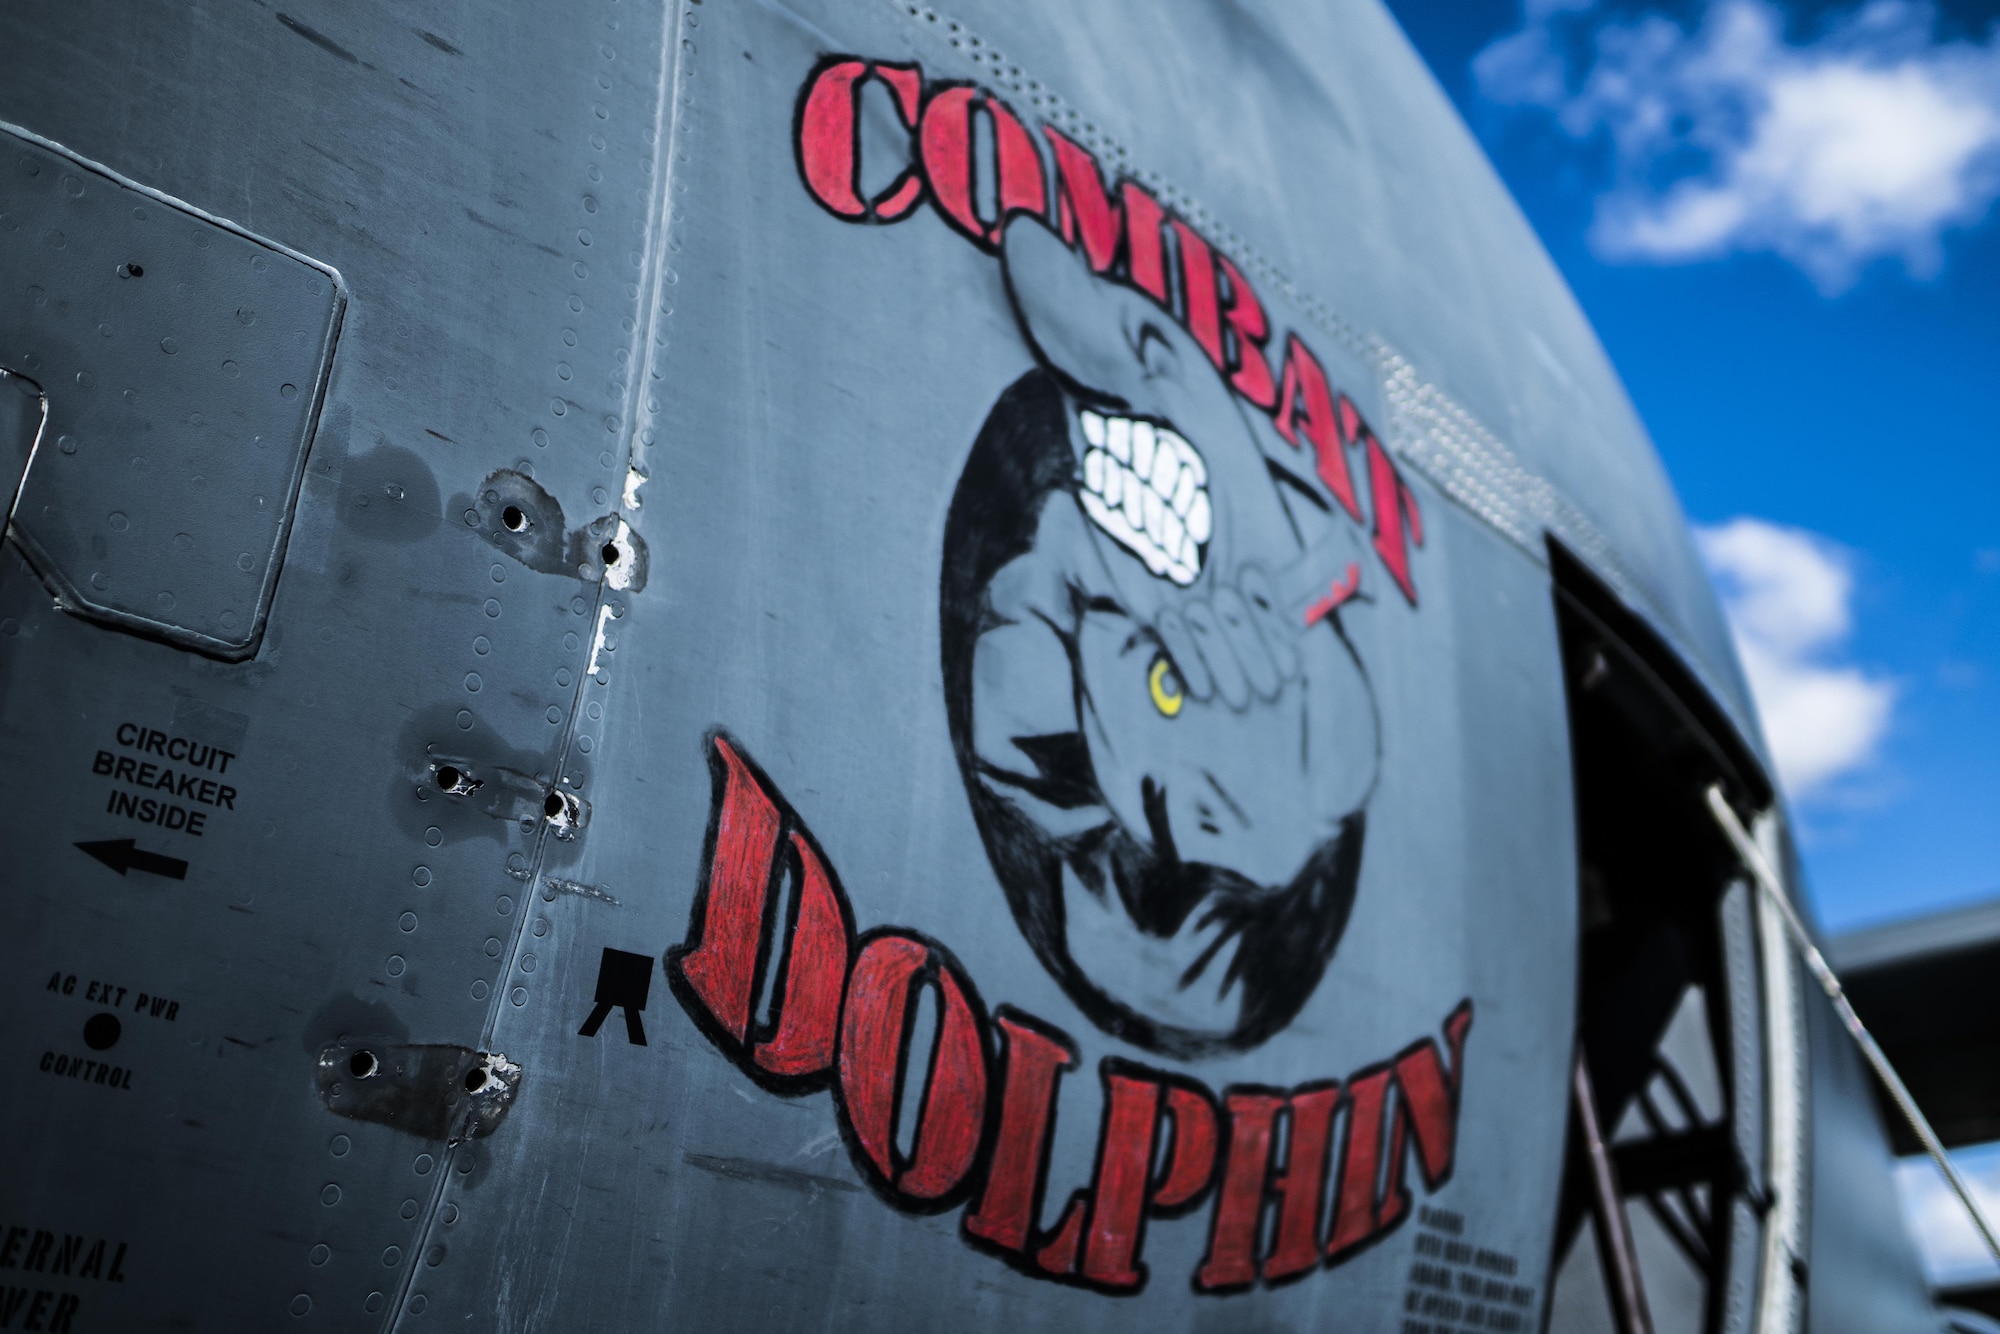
1666,924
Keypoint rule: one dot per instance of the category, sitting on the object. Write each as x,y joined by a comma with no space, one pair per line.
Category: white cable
1767,878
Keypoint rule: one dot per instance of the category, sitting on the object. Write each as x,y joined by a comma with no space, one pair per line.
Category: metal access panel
867,719
185,360
228,868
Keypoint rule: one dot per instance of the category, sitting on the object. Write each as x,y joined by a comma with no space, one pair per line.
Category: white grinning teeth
1142,448
1198,517
1118,438
1135,503
1148,488
1093,429
1189,458
1166,472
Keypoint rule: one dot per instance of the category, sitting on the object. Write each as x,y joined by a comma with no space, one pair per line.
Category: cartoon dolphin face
1167,739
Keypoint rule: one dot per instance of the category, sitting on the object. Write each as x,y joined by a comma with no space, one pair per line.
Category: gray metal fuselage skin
799,665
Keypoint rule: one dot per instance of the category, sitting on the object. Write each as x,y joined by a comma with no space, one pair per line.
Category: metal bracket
434,1090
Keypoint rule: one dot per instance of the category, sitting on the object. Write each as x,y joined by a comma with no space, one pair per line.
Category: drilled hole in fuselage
454,781
610,553
514,518
475,1079
363,1064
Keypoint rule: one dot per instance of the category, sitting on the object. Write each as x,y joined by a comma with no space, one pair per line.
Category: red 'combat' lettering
946,135
1085,211
1201,309
829,138
1145,256
1212,298
1244,314
1306,407
1397,521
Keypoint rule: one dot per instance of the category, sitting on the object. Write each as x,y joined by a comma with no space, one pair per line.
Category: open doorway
1669,1212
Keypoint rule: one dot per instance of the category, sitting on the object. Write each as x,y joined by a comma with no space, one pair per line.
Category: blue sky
1780,221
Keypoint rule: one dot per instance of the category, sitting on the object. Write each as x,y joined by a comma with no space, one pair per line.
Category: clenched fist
1167,738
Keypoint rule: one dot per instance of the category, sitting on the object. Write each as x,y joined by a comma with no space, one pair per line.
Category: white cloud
1788,594
1951,1247
1868,142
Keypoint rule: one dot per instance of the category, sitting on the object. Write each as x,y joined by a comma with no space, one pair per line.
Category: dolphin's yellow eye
1165,684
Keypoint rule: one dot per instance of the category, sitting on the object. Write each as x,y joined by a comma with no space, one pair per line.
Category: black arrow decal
120,854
